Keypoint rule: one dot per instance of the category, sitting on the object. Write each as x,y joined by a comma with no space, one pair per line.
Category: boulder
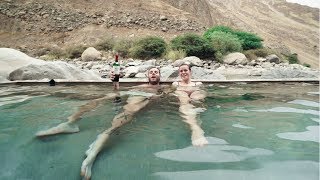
134,63
144,68
91,54
168,72
11,59
140,75
266,65
177,63
202,73
131,71
151,62
235,58
288,72
272,58
52,70
193,60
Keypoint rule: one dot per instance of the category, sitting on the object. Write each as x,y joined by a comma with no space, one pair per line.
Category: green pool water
264,131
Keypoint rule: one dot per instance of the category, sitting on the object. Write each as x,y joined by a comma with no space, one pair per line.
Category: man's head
153,75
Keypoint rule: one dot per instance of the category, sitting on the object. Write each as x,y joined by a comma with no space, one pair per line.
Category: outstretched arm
134,105
70,126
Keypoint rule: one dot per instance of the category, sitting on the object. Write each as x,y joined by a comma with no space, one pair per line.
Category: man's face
154,76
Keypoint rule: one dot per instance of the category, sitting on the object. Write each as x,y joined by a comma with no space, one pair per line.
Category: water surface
255,131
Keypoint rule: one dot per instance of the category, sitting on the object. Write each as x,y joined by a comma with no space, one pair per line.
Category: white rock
235,58
91,54
11,59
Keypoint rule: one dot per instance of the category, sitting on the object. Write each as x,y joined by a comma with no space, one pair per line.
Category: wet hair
186,64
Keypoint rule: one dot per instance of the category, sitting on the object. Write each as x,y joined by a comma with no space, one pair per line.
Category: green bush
225,42
193,45
175,54
219,57
123,47
106,44
75,52
249,40
209,32
148,47
293,59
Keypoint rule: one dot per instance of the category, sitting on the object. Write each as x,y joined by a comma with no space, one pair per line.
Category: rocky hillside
33,24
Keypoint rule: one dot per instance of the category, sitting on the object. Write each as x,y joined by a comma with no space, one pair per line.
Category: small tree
209,32
225,42
193,45
249,40
148,47
293,59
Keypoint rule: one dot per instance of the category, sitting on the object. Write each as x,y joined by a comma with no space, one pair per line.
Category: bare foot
200,141
61,128
92,153
86,167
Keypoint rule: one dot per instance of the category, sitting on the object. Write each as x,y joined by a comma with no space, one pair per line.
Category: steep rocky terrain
33,24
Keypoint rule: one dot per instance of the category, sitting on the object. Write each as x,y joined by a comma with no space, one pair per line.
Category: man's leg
134,105
70,126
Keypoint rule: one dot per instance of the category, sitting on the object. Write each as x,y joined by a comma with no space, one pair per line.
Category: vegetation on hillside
215,43
148,47
193,45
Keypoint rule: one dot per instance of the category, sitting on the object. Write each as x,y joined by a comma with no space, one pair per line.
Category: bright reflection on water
255,131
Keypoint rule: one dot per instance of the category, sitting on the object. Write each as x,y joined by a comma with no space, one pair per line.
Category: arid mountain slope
34,24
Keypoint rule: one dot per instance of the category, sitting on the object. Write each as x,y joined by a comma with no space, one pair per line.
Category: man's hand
111,75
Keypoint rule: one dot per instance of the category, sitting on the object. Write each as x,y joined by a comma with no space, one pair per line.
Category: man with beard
136,101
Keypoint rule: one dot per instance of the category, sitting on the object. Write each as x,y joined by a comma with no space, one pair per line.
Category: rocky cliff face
32,24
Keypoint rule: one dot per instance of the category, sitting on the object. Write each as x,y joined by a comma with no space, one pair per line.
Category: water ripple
218,150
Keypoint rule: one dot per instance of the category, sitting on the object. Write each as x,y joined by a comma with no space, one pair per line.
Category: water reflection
289,109
311,135
242,126
305,103
293,170
218,150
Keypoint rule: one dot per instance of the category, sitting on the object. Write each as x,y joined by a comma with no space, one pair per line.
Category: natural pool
255,131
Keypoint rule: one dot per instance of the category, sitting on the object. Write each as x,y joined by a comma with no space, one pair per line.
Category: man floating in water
135,102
